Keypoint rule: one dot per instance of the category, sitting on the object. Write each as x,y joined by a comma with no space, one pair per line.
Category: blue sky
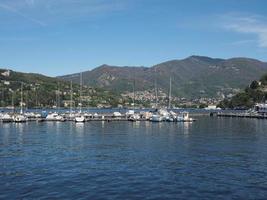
56,37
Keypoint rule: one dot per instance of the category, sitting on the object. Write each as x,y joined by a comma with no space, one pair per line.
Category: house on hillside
6,73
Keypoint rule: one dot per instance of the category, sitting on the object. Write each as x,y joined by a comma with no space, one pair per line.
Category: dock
242,115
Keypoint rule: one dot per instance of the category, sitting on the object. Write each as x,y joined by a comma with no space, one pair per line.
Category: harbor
160,115
109,115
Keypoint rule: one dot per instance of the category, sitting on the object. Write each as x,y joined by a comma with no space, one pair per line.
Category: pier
241,115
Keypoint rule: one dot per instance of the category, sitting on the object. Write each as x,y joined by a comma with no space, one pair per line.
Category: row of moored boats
160,115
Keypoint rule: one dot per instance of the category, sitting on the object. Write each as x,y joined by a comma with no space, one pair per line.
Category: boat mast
156,88
71,96
58,97
134,92
170,93
21,99
81,83
12,102
26,100
36,99
3,97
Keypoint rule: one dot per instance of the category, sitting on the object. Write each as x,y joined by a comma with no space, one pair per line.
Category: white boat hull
20,119
79,119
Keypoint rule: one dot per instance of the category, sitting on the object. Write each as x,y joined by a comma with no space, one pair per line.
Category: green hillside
43,91
256,92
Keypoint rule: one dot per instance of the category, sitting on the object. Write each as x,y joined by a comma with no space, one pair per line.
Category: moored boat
134,117
156,118
53,117
79,119
6,118
20,118
184,117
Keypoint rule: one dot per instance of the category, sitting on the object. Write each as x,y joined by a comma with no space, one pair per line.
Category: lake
212,158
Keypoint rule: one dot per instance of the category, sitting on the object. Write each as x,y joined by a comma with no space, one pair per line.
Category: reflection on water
136,124
147,124
186,126
209,159
79,128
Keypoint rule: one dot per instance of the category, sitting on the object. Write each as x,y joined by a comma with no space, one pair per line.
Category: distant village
148,98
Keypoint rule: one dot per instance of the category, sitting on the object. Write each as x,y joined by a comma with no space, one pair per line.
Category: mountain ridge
194,76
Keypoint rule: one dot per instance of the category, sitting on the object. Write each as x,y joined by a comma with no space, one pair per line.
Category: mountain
192,77
44,91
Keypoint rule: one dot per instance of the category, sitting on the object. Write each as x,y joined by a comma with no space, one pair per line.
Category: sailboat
80,117
55,116
59,117
71,114
156,89
20,117
134,92
156,117
131,115
171,115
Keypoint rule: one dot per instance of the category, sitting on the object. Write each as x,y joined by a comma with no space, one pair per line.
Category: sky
58,37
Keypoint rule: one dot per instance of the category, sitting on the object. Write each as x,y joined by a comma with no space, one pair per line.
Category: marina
160,115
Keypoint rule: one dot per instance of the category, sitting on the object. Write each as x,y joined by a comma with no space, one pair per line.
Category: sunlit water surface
209,159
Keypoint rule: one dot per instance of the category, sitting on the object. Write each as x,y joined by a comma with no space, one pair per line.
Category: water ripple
209,159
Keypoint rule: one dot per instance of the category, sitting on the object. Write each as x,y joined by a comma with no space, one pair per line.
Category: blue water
213,158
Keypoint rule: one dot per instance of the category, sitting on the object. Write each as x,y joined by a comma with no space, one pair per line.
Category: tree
254,85
264,79
202,105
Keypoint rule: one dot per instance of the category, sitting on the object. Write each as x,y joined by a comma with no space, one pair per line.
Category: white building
6,73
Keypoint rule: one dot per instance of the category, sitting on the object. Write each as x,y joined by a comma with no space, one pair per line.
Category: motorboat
79,119
29,114
169,119
117,114
147,115
53,117
6,118
20,118
60,118
134,117
156,118
70,116
184,117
